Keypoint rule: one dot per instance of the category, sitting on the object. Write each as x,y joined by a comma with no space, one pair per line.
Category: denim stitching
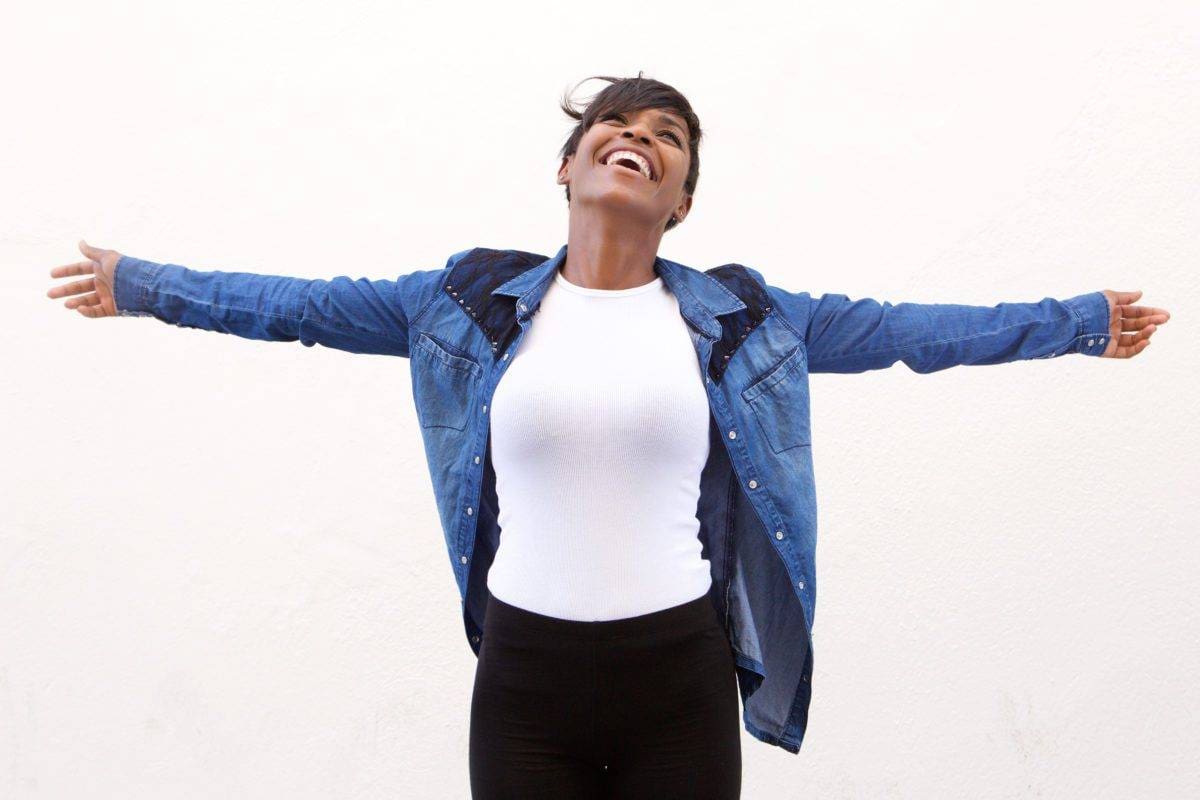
774,374
424,340
147,278
1079,327
445,272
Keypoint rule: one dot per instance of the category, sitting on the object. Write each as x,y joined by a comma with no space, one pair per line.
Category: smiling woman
625,484
654,104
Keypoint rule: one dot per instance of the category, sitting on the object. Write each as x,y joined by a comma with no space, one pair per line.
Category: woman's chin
625,203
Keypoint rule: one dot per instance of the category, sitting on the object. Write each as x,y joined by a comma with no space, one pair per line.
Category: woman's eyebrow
663,118
671,121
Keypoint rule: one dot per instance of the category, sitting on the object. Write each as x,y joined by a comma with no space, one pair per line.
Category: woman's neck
610,253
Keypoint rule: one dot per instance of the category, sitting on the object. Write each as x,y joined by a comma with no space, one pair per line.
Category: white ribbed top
599,431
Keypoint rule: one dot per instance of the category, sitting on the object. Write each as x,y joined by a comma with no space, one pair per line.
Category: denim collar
701,297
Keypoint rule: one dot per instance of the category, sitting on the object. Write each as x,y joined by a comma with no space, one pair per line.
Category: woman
648,458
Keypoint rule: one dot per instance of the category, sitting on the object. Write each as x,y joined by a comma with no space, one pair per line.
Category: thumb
89,251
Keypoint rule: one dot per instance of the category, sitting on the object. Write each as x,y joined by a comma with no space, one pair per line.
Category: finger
1144,333
1131,350
75,287
1132,343
1124,298
1143,311
78,268
1137,323
86,300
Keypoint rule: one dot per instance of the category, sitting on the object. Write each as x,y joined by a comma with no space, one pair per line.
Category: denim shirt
756,345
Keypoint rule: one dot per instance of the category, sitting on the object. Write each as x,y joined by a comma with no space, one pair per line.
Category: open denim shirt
756,345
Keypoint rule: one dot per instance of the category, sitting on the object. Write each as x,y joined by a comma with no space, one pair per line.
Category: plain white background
221,570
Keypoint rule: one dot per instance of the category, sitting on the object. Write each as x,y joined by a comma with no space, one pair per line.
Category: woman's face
619,185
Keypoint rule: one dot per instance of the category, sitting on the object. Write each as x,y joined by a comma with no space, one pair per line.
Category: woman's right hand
101,269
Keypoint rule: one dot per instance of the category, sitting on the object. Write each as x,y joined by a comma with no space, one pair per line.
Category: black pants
645,706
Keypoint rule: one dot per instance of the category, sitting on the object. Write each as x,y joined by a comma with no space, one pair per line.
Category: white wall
221,571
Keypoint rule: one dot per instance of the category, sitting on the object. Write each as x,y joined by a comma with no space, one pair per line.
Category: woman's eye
621,119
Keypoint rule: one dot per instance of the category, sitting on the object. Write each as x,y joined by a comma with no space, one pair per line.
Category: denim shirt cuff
131,286
1091,312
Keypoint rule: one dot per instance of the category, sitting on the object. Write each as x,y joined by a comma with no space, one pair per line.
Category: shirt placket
470,523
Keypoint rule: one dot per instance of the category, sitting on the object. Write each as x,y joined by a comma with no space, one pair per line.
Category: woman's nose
645,139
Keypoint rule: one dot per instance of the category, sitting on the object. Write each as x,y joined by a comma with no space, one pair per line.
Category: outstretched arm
844,335
356,315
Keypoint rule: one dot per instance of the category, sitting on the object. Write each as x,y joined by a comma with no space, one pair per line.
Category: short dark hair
629,95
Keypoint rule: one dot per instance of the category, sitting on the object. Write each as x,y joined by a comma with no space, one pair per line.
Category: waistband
693,616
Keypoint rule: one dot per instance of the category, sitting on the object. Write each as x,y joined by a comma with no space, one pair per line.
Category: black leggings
644,706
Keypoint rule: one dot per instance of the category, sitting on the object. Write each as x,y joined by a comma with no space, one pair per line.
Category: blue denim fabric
756,345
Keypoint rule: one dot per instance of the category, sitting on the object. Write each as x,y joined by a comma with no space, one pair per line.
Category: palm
93,296
1130,327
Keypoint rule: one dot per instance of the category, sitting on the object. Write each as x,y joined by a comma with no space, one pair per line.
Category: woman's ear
682,209
564,171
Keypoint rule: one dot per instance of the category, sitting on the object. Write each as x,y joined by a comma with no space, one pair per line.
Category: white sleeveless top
599,431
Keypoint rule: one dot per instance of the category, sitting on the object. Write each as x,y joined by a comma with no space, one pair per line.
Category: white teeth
643,165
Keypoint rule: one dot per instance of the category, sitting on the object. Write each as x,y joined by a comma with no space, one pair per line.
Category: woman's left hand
1123,317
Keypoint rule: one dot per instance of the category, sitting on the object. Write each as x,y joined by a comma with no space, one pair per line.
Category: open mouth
628,163
627,159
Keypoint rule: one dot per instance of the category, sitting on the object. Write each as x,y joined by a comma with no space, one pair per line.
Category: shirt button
463,559
1100,340
753,484
733,434
778,534
800,584
505,357
474,638
521,306
476,459
1091,342
469,511
485,408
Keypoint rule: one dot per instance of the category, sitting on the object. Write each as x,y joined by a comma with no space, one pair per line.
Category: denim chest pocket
444,383
779,400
